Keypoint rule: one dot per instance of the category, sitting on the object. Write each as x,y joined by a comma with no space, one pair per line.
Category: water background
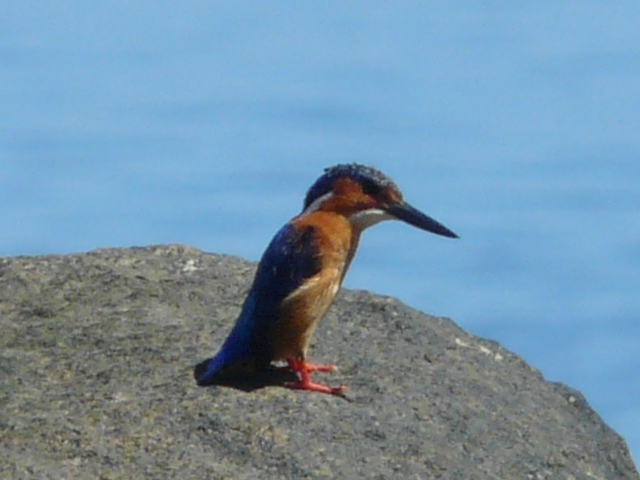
139,122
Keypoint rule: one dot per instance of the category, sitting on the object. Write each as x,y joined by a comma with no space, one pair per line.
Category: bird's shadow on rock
247,380
251,380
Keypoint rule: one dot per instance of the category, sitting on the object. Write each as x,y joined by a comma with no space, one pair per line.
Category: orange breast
304,308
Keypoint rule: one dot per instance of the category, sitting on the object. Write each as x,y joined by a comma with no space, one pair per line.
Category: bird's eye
371,188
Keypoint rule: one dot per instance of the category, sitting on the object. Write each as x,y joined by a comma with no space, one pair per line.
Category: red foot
312,367
305,383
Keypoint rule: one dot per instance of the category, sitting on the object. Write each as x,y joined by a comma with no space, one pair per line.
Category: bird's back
297,278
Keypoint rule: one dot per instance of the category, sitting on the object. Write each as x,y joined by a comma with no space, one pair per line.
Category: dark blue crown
371,180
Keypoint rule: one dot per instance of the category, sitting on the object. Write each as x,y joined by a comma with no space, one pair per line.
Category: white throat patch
360,220
368,218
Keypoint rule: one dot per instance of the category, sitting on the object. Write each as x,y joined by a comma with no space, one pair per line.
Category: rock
96,381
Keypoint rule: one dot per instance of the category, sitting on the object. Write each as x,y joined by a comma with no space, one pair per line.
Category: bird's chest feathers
303,308
334,244
301,312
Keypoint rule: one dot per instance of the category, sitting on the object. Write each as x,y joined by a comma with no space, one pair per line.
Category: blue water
135,123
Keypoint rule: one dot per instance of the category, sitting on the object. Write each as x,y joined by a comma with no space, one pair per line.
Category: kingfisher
302,269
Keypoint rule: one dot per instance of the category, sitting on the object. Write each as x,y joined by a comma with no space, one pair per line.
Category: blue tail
234,351
206,371
236,348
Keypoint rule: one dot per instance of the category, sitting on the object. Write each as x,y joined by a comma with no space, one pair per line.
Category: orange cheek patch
348,198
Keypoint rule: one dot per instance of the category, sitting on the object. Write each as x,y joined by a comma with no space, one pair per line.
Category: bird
302,270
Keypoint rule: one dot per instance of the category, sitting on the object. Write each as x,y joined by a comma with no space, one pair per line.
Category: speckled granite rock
96,381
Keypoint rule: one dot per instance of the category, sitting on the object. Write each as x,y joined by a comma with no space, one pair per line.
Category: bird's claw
303,368
316,387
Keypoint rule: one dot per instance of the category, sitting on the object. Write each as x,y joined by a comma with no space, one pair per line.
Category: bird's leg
303,368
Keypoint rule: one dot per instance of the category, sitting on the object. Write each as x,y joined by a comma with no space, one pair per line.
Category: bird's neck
355,239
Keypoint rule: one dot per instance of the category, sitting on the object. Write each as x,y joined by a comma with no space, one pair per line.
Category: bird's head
366,196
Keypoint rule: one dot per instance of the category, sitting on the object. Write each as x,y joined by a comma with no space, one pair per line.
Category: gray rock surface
96,381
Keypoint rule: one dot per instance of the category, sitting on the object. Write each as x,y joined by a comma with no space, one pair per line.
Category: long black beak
405,212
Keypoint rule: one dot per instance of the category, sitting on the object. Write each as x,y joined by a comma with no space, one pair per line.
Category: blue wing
290,259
